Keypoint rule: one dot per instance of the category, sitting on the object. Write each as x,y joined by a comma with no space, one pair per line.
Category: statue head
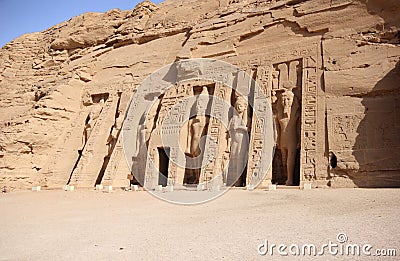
202,101
240,105
201,104
287,98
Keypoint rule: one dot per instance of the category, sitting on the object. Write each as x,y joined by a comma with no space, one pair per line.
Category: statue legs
289,161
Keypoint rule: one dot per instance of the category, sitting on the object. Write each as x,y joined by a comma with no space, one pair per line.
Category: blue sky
18,17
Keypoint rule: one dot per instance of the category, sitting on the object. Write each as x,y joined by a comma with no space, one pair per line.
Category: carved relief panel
291,81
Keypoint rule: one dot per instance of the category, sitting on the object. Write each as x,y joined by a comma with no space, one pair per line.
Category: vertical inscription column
259,159
216,143
309,121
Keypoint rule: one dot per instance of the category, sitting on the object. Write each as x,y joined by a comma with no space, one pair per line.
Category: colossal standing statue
288,115
238,129
197,129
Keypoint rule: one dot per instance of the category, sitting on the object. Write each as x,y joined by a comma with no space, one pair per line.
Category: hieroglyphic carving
256,169
278,55
348,132
151,174
215,144
172,127
299,52
298,74
172,167
309,119
269,79
344,131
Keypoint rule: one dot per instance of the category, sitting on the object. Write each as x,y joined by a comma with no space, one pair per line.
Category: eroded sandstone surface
64,91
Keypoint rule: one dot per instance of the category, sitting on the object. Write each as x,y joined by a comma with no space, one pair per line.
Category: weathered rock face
64,91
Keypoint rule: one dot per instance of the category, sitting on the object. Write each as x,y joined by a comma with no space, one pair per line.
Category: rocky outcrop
64,91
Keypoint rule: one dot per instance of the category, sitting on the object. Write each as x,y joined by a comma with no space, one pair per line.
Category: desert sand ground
93,225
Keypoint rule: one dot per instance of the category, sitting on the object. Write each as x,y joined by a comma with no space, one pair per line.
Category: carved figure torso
238,129
198,128
288,115
288,131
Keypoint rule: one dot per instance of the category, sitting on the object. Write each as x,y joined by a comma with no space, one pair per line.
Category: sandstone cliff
83,71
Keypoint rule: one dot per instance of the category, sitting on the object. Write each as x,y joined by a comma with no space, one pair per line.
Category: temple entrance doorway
278,173
163,166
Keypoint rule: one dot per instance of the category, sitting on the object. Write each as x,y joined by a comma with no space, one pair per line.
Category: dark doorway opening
278,173
163,154
192,176
296,179
237,180
96,98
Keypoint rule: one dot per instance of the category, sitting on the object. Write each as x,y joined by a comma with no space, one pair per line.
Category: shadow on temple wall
375,159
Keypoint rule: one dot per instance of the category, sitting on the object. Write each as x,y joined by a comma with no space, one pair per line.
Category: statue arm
109,139
228,137
298,131
228,142
139,139
189,138
277,131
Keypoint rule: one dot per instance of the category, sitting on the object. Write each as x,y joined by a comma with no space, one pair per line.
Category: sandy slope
91,225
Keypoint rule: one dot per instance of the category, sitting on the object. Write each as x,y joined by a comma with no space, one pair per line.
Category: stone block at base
216,188
37,188
200,187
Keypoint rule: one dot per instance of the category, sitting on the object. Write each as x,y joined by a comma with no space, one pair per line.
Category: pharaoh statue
197,129
288,114
86,98
115,129
140,137
140,151
238,129
91,120
112,140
